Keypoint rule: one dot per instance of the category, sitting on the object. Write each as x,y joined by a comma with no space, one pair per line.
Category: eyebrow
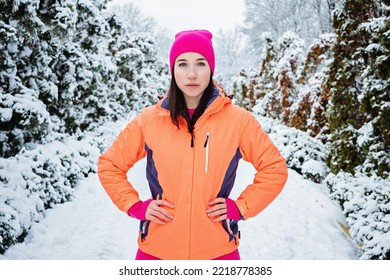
199,59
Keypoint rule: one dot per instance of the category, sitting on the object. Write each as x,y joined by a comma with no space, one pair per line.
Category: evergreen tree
141,76
60,71
241,89
288,67
359,88
263,83
84,72
307,114
375,97
23,116
276,85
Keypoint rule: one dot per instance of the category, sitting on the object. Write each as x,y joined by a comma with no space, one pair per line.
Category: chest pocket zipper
207,145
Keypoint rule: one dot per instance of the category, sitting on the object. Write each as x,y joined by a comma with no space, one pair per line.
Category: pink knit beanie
193,41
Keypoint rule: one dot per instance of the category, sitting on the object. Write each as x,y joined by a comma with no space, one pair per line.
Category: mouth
192,85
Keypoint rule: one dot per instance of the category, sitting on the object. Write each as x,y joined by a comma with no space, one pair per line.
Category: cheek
206,73
178,77
206,77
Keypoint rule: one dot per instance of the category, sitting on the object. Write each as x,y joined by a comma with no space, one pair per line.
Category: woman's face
192,74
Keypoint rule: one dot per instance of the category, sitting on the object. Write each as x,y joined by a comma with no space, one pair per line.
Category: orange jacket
190,177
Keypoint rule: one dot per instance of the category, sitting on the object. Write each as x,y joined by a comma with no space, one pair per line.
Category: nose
191,72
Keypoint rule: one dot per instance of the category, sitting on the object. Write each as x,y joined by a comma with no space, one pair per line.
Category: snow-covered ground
301,224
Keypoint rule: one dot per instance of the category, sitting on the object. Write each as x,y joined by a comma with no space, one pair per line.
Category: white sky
178,15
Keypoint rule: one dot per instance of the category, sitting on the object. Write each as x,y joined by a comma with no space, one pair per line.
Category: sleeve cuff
138,210
233,212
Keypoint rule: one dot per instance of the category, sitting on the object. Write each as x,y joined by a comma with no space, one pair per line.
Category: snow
365,133
5,114
301,224
85,63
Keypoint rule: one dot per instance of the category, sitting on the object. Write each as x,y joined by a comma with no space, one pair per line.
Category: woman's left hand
218,208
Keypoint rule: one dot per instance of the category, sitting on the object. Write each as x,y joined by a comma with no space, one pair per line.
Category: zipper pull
207,139
192,140
206,166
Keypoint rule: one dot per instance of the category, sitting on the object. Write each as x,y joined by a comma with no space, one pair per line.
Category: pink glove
232,210
138,210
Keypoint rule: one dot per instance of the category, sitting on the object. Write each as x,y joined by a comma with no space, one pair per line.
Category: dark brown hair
178,107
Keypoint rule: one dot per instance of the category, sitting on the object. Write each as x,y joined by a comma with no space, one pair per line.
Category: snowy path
300,224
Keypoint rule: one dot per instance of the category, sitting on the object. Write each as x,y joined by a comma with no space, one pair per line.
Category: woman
193,140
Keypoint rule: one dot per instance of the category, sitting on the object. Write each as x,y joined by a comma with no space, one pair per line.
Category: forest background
322,67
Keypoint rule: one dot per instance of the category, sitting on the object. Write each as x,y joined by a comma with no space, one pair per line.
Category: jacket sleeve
114,163
271,176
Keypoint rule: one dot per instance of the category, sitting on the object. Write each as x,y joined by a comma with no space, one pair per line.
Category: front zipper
192,140
207,145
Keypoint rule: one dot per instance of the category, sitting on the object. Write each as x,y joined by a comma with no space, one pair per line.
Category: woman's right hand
157,214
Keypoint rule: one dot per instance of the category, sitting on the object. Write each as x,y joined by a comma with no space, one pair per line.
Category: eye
201,63
182,64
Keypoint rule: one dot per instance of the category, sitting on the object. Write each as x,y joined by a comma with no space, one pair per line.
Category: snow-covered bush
358,80
276,86
307,113
37,179
303,153
340,96
23,118
240,90
143,77
62,65
365,202
263,83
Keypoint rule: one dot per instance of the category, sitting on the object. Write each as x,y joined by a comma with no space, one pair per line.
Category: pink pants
235,255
